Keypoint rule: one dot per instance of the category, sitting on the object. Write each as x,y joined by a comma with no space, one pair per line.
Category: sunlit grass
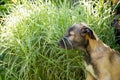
28,39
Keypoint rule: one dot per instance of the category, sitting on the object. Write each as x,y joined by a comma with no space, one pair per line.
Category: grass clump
28,39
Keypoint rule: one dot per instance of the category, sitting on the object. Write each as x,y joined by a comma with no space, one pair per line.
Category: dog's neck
96,48
95,45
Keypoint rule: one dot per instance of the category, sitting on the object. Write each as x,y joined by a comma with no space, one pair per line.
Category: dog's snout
65,43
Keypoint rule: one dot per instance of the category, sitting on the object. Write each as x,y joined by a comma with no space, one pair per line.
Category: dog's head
116,23
77,37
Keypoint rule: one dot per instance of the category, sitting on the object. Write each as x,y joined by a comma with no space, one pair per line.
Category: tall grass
28,39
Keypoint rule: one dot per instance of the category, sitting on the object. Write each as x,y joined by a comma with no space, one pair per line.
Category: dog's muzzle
65,43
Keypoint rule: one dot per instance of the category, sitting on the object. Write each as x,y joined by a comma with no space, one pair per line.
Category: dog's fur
102,62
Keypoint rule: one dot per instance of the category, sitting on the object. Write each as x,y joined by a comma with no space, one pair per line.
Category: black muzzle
65,43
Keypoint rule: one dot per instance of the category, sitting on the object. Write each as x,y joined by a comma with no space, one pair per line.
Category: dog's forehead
80,26
77,27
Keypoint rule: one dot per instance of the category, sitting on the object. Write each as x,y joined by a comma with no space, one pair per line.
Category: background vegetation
30,33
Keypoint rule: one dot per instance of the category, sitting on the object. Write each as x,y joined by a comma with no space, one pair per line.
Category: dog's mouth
65,43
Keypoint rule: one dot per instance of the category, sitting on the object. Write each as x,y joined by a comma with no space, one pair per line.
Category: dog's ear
87,31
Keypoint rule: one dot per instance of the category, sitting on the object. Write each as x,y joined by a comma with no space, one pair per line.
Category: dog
116,25
101,62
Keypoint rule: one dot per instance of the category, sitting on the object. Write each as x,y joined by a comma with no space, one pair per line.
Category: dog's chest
90,69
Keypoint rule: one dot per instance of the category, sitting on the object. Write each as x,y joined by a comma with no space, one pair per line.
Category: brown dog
102,62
